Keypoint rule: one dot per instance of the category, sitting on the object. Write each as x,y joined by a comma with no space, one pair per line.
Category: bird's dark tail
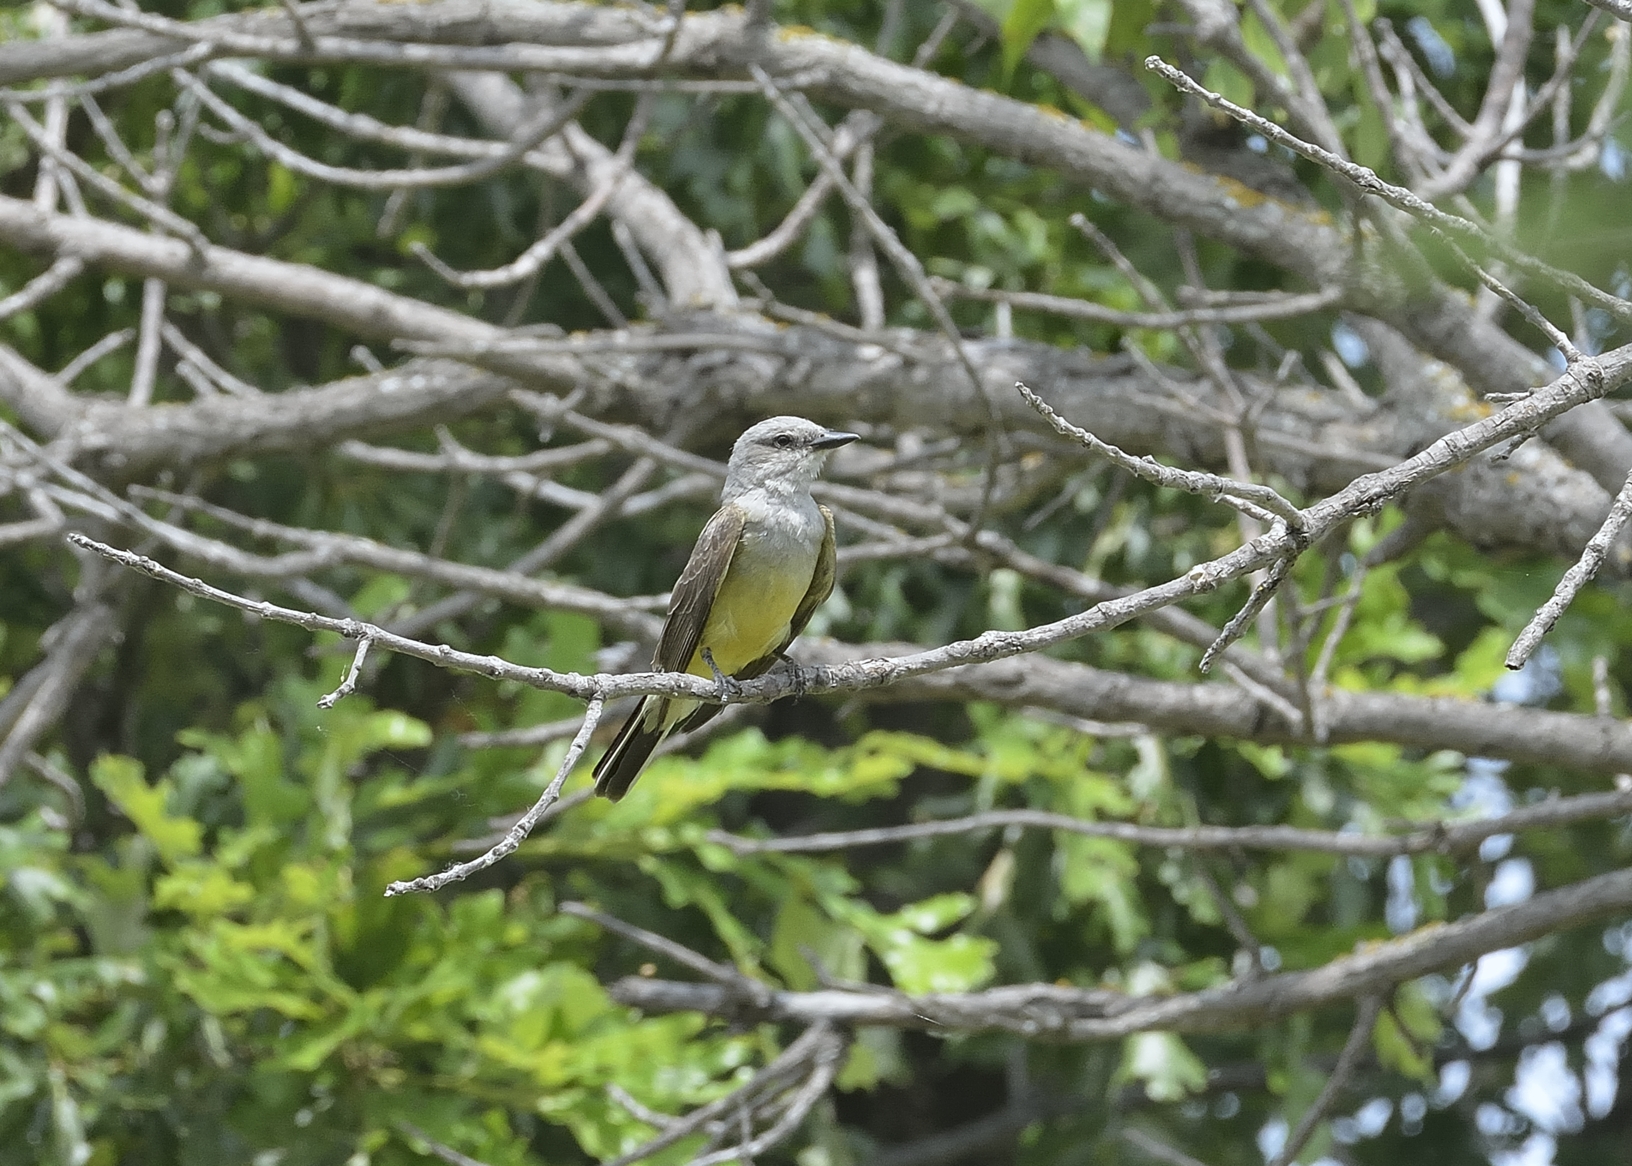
617,770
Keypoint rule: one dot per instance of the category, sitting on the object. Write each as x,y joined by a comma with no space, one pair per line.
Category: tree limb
1050,1013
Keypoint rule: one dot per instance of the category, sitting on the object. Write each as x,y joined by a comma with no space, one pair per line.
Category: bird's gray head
780,454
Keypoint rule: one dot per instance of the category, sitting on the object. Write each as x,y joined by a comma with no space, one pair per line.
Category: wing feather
694,591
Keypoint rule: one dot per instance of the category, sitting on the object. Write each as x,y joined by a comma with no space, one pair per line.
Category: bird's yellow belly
751,614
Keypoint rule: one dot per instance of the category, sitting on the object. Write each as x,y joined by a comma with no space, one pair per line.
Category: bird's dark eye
782,440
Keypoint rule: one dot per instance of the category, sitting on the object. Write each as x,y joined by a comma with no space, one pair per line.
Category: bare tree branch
1574,579
836,372
40,697
523,827
1047,1012
1621,9
909,97
1365,1020
1589,379
1434,837
42,287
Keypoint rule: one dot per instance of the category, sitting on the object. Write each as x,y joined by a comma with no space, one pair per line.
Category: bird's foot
728,688
798,676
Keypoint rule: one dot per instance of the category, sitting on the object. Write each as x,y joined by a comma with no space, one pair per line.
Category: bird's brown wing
689,605
694,591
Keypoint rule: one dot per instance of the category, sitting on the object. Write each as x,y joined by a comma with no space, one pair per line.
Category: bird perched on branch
761,567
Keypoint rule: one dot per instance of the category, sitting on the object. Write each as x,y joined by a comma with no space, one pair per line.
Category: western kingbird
761,567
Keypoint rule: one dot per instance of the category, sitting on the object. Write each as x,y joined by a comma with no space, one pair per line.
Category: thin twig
302,33
1233,919
73,91
115,145
1070,1014
1601,696
1282,307
1368,182
1261,595
1359,1038
827,1059
43,286
201,360
593,288
349,684
519,832
669,949
791,1062
502,823
1577,577
532,260
149,339
1439,837
1411,80
112,342
159,216
529,735
529,134
906,264
1159,1150
447,1153
1261,502
53,775
658,1121
855,129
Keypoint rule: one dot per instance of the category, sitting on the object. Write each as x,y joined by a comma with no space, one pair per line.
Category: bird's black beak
834,438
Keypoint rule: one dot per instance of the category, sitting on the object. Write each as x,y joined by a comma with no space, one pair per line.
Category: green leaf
1289,891
1480,664
560,640
1003,599
354,732
201,889
684,887
1164,1064
959,963
1370,135
1088,22
875,1055
917,964
1383,627
1408,1050
1270,760
1104,872
1024,20
1261,45
1126,32
1229,82
282,188
935,913
802,933
378,594
121,778
255,758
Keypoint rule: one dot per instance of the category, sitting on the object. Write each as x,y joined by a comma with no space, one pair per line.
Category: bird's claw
798,677
727,688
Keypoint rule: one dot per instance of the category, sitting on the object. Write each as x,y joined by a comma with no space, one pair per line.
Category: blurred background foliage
197,965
